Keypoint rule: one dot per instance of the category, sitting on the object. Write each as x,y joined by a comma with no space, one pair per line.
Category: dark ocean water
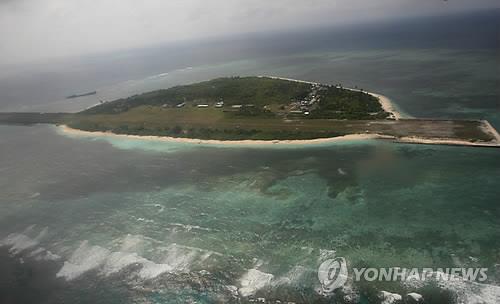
108,220
151,220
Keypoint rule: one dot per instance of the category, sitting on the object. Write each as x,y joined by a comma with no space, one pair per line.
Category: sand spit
351,137
346,138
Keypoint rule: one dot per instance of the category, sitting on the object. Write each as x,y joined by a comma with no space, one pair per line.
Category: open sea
111,220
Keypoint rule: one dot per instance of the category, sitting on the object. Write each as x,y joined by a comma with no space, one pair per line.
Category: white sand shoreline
247,142
446,141
490,129
296,142
386,103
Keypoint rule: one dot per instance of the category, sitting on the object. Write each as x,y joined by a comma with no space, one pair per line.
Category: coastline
386,103
490,129
247,142
299,142
446,142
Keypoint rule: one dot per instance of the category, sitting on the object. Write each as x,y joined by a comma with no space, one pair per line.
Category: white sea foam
471,292
466,291
21,243
35,195
48,256
18,242
252,281
84,259
325,254
132,243
389,298
42,254
291,277
180,259
36,252
151,270
87,257
190,227
160,208
174,262
116,261
415,297
141,219
174,258
308,249
29,229
157,76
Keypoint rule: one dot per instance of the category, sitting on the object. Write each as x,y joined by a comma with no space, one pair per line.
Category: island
263,109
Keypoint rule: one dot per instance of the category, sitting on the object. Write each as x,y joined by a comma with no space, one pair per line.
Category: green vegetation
233,108
253,108
258,91
258,96
208,123
338,103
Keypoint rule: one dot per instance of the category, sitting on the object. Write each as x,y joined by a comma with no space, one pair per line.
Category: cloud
35,29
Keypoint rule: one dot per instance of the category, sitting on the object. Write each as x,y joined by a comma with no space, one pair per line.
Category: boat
81,95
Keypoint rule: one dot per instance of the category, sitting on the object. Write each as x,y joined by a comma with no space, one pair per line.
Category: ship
81,95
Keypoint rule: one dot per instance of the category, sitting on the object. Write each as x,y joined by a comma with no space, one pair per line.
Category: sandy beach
490,129
387,105
385,101
351,137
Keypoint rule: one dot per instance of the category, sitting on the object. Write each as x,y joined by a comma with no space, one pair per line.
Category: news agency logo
332,274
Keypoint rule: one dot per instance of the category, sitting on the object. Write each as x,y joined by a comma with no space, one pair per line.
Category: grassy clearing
212,123
266,109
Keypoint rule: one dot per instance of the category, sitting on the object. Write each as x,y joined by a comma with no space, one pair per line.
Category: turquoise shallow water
177,223
107,220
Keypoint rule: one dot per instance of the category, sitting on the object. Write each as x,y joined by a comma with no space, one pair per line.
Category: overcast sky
32,30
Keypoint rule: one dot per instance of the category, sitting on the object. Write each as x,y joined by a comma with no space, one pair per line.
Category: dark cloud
34,29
